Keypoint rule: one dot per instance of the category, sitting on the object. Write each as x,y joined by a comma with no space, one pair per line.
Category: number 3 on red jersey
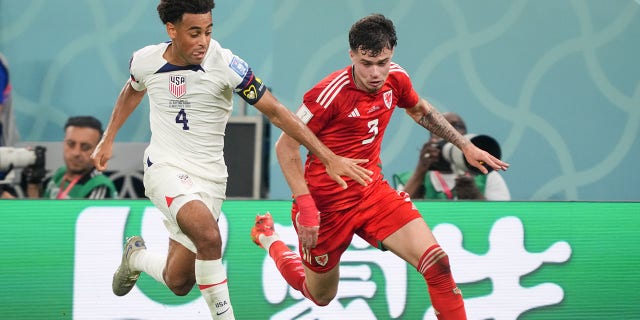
373,129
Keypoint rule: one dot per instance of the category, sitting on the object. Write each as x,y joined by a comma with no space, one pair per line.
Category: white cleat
124,278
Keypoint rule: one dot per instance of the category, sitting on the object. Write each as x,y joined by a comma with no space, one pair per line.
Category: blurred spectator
434,177
78,178
8,131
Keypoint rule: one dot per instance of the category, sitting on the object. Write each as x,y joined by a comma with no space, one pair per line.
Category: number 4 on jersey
181,117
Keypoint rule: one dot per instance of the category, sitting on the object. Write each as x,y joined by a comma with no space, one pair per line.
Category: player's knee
179,286
209,243
181,289
434,262
323,300
434,267
443,263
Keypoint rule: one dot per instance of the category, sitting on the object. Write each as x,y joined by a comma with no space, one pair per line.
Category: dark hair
84,122
372,34
172,10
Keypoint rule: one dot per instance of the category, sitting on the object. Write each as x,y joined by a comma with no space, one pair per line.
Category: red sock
445,296
289,264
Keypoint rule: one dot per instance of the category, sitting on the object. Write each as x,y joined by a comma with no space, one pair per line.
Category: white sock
211,278
267,241
151,263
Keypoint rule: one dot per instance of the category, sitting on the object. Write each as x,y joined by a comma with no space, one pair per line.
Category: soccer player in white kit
190,82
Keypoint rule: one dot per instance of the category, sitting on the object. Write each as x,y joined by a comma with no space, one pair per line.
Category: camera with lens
455,157
31,160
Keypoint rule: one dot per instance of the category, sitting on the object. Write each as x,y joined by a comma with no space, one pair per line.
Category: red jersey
351,122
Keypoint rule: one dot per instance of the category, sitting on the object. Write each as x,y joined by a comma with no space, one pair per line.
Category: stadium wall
512,260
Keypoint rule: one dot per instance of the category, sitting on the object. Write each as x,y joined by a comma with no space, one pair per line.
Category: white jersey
189,107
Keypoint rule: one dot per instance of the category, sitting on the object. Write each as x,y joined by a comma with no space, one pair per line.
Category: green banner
512,260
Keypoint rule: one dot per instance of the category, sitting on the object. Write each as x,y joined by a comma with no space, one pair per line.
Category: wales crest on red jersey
177,85
388,98
322,260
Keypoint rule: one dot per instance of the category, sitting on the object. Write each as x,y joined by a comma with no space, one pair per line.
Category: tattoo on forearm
436,123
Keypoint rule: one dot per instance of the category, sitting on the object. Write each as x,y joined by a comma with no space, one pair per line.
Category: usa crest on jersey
177,85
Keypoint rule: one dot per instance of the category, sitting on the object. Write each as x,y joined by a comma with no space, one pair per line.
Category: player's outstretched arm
127,101
337,166
427,116
308,220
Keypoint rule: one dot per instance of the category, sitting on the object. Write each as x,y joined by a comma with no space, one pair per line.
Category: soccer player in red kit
349,112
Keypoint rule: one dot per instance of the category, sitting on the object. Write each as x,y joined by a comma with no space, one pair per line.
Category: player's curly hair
172,10
372,34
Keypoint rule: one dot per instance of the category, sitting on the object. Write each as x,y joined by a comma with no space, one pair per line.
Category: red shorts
373,219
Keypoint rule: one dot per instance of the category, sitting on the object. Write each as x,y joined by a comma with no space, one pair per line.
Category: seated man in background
78,178
434,177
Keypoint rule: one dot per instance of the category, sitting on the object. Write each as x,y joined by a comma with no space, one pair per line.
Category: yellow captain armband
252,91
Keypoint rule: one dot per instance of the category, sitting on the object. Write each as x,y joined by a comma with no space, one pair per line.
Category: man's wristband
309,215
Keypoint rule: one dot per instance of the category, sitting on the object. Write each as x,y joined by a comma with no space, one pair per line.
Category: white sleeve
136,77
496,188
237,69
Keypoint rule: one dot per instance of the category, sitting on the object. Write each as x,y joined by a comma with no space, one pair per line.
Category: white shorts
170,188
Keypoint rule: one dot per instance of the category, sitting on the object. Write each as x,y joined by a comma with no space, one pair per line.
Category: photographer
77,179
434,177
31,159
